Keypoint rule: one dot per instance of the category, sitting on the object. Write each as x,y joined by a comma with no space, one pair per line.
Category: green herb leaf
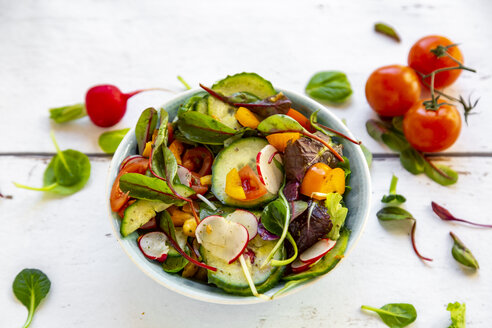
393,213
462,254
145,128
201,128
143,187
273,216
441,174
393,197
290,285
68,113
458,315
110,140
412,161
395,141
176,263
337,213
367,155
395,315
329,86
387,30
278,123
30,287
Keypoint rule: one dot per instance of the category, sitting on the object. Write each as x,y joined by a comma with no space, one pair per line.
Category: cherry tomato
301,119
424,61
392,90
253,188
117,198
432,131
196,184
198,159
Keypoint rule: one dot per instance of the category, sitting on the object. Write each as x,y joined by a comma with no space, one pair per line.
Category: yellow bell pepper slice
234,188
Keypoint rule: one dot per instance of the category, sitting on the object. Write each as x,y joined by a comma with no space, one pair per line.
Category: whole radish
106,104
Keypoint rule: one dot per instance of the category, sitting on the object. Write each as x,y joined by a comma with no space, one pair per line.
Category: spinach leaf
30,287
273,216
387,30
110,140
67,172
201,128
441,174
393,197
395,315
68,113
337,213
329,86
145,128
458,314
462,254
143,187
175,264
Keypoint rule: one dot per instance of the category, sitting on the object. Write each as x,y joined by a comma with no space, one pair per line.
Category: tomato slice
253,187
117,198
198,159
196,184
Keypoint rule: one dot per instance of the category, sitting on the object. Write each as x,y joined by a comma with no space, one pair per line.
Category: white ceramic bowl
357,201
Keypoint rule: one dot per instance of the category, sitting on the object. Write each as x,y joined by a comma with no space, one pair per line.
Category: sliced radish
317,251
299,266
268,171
247,219
250,255
184,176
223,238
154,245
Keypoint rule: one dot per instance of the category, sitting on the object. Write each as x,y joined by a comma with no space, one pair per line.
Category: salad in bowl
233,190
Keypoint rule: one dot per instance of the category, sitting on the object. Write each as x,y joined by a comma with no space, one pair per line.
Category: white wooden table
51,51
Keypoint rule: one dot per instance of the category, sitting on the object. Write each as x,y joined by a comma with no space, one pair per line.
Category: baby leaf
393,197
110,140
329,86
394,213
412,161
30,287
199,127
273,216
68,113
445,215
143,187
67,172
279,123
395,315
462,254
145,128
441,174
458,314
337,213
387,30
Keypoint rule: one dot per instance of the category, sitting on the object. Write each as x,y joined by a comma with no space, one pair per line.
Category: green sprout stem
46,188
59,152
187,86
394,182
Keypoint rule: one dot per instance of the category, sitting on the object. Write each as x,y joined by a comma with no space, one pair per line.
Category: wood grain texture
96,285
53,51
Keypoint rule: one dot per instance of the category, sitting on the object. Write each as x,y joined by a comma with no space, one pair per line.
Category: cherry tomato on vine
432,130
392,90
422,60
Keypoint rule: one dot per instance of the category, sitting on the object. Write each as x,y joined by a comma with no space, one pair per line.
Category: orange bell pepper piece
177,149
234,188
280,140
321,179
247,118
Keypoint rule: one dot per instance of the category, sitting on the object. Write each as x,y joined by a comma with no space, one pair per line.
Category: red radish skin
247,219
317,251
244,248
298,266
154,245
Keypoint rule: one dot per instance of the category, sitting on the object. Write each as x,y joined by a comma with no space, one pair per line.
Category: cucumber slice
230,277
139,213
201,105
237,155
242,82
328,262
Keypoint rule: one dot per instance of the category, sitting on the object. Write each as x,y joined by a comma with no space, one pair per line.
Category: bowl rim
242,300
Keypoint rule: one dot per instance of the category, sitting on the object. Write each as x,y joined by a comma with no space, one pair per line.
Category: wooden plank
96,285
52,51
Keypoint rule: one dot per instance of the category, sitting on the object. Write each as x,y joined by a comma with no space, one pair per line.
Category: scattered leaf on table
395,315
110,140
387,30
462,254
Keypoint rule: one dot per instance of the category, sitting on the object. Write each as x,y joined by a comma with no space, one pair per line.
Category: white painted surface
52,51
